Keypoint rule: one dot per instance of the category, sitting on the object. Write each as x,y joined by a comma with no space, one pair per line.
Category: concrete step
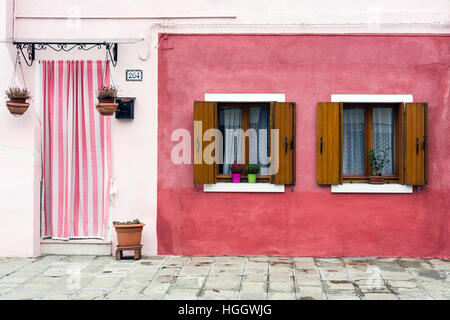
81,246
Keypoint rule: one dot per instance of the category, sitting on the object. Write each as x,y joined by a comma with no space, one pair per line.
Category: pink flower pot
236,177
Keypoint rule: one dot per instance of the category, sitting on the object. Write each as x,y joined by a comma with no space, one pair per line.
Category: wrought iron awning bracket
28,50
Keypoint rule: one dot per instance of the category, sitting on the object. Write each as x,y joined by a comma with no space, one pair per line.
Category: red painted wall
311,221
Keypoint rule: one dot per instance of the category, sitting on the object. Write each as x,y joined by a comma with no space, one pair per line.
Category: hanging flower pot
106,100
18,97
17,103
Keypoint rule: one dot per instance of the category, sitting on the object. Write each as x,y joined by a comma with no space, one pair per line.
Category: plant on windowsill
106,100
252,171
18,100
129,233
378,159
236,171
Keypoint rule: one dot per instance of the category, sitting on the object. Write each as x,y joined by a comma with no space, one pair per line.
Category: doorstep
81,246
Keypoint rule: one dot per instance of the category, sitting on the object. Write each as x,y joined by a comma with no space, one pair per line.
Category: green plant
378,159
135,221
236,167
18,93
252,168
107,93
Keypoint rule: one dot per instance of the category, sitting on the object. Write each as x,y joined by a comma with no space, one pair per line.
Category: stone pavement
224,277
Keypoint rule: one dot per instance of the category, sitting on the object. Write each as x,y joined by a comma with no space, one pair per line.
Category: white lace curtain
384,136
259,135
231,121
383,131
259,150
354,142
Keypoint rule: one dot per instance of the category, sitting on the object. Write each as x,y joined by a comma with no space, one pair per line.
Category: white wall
19,167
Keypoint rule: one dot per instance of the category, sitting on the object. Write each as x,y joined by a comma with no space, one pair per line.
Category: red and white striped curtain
76,150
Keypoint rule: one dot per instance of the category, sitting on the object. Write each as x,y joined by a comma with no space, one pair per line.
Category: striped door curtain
76,150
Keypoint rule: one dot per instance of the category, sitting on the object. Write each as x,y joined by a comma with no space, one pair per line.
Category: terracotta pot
376,179
17,107
106,107
129,235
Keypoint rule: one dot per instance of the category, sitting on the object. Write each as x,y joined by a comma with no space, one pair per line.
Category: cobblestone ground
224,277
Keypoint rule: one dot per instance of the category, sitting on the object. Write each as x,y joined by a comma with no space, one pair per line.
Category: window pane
259,138
230,126
354,144
384,136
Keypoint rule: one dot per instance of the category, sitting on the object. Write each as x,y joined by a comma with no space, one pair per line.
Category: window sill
243,187
371,188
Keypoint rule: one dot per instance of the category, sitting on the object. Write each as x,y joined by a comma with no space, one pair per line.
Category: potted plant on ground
106,100
129,233
252,171
17,103
236,172
378,159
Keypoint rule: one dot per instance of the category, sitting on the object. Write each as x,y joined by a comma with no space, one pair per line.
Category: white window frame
367,187
244,187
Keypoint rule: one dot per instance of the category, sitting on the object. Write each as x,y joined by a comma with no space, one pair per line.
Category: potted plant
378,159
252,171
17,103
129,233
106,100
236,172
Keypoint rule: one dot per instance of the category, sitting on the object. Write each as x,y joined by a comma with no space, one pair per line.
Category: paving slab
281,296
281,276
192,282
128,293
21,294
403,283
338,285
226,270
187,270
281,286
343,297
91,294
156,288
182,294
380,296
308,281
216,294
223,282
101,282
250,295
254,286
255,277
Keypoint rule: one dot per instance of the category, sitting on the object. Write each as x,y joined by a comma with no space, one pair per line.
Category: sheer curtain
259,151
384,136
230,124
354,142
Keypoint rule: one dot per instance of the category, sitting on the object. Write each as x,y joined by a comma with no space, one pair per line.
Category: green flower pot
251,177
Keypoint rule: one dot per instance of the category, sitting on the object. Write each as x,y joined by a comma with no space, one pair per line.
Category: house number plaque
134,75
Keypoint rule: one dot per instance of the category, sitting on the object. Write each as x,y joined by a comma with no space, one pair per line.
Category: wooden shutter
282,117
205,117
329,142
416,143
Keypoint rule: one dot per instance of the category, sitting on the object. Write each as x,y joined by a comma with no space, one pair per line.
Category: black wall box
125,109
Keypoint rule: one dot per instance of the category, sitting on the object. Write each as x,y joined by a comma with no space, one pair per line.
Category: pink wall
311,221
